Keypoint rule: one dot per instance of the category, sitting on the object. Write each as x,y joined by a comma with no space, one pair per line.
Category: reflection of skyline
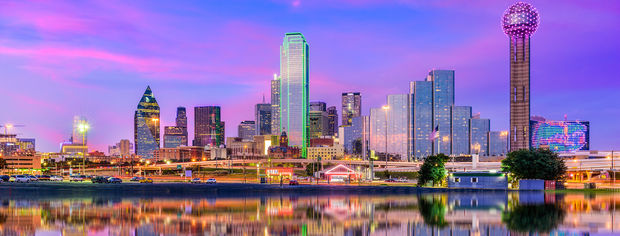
335,215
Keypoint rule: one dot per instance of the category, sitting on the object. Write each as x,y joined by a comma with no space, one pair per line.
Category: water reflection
437,214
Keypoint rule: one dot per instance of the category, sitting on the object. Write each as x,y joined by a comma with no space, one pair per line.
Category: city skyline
555,81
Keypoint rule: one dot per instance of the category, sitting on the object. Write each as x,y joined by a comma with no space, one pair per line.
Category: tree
433,169
540,218
433,210
534,164
312,167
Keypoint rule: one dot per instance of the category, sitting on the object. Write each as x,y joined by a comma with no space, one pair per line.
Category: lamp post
386,108
613,174
83,129
245,149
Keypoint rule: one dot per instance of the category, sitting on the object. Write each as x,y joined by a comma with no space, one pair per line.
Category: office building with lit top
351,107
246,129
520,21
174,137
208,126
294,89
560,136
146,125
318,125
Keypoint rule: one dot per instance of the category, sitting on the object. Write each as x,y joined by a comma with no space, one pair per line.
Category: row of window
473,180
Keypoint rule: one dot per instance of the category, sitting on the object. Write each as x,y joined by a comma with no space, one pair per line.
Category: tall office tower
520,21
246,130
460,129
125,147
378,132
275,105
174,137
479,129
318,124
294,89
498,143
351,136
332,116
208,126
421,93
318,106
443,99
146,125
262,114
398,126
181,122
351,106
80,130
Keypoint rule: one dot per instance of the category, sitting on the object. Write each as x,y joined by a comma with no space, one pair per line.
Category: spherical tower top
520,20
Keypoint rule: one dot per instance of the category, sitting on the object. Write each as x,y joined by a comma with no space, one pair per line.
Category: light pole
83,129
386,108
613,179
245,149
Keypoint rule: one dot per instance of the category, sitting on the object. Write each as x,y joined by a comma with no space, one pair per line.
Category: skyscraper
443,100
275,105
181,122
378,132
479,129
262,114
318,124
146,125
174,137
398,128
520,21
460,129
351,106
421,95
498,143
294,89
332,116
208,127
318,106
246,130
80,130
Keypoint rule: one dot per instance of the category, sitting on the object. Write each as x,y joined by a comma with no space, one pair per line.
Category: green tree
433,169
540,218
433,210
534,164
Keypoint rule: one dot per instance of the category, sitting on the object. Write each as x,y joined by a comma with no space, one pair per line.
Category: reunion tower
519,23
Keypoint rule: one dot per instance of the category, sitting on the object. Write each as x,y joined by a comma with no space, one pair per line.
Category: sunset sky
95,58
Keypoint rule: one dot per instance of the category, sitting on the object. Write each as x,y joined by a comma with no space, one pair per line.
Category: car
115,180
5,178
43,177
56,178
195,181
146,180
21,179
293,182
135,179
99,180
32,178
76,178
211,181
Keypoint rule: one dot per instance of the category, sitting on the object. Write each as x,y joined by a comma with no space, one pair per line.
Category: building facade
318,124
246,129
262,114
208,126
479,129
80,130
294,89
275,105
181,122
398,126
422,118
498,143
174,136
520,21
146,125
351,107
460,130
332,116
443,100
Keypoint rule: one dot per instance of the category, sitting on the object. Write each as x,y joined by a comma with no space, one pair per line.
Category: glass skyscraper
377,130
275,105
181,122
421,126
174,137
294,89
479,129
246,130
332,116
262,114
208,126
498,143
398,128
79,134
351,106
460,130
443,100
146,125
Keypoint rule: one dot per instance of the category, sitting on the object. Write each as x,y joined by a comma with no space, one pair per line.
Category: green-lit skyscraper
294,89
146,125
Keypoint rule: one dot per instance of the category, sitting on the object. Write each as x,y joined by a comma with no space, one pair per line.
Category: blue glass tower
421,95
460,129
443,100
479,129
146,125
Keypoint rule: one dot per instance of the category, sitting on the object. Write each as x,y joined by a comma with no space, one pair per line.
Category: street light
386,108
83,129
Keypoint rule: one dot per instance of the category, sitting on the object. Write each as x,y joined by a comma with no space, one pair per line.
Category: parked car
211,181
43,177
5,178
32,178
115,180
99,180
146,180
195,181
293,182
56,178
21,179
136,179
76,178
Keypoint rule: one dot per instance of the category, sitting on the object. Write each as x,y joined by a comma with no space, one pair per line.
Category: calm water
431,214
